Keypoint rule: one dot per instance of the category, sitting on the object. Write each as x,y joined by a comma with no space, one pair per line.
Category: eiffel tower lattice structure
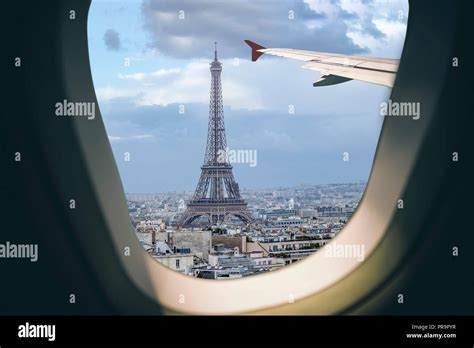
217,194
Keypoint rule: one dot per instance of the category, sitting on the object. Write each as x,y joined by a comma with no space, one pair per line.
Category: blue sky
169,66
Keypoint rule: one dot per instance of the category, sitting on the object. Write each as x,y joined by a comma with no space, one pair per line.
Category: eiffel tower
217,193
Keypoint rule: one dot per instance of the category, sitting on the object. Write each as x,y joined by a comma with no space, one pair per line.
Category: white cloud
115,139
392,29
363,40
354,6
190,84
271,83
108,93
392,43
324,6
386,17
154,74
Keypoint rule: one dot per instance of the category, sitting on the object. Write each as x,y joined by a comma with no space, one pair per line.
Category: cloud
350,26
393,32
154,74
385,28
114,139
189,84
108,93
112,40
188,28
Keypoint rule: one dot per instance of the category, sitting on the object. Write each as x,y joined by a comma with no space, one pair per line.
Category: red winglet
255,54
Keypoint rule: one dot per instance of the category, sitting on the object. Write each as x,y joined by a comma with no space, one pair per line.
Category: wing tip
255,47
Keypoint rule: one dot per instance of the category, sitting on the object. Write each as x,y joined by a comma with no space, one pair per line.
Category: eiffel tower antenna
217,194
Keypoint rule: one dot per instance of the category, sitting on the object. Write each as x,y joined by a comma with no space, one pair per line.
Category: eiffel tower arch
217,195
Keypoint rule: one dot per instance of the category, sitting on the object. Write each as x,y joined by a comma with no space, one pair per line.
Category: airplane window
244,132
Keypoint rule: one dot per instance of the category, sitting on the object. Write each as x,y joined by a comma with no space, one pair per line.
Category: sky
150,67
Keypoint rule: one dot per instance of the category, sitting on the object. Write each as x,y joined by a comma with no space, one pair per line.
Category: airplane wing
336,68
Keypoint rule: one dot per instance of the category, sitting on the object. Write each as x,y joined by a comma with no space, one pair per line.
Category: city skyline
288,225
